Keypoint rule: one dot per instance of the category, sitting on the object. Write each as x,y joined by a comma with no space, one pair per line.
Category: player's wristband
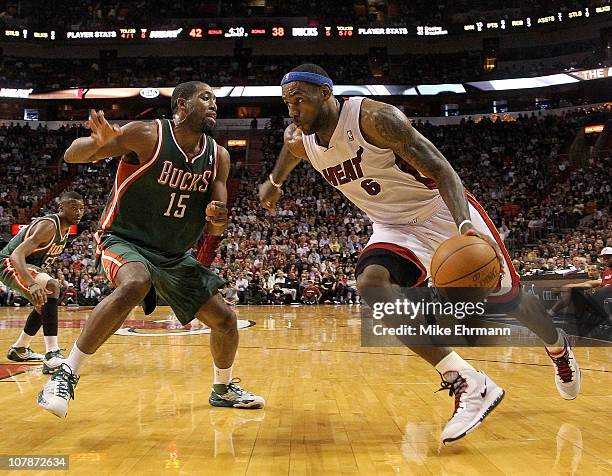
277,185
463,223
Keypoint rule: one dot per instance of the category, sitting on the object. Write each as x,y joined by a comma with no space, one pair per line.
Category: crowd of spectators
65,14
308,248
530,188
553,213
48,74
29,161
571,253
54,74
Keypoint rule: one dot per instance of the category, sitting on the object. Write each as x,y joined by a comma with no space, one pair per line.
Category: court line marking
360,352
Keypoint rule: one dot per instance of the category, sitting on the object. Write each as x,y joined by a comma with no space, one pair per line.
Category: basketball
466,262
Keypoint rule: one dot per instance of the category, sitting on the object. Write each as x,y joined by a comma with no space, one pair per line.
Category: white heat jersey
384,186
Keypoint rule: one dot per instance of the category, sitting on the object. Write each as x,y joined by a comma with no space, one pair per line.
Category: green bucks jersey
160,205
43,256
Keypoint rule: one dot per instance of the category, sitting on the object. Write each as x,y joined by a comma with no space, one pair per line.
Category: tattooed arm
387,127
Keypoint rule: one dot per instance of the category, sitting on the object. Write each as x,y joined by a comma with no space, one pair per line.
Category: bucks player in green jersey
170,185
22,263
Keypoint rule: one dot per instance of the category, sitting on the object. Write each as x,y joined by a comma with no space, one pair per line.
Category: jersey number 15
179,208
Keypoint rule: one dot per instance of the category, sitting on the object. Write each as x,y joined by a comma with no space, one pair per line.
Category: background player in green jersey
22,263
170,184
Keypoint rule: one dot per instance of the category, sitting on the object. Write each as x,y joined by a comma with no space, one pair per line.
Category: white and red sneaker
567,372
476,395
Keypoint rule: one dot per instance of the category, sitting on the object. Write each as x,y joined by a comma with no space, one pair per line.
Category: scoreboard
258,28
197,33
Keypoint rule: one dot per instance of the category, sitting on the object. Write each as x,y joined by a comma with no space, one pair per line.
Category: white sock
76,359
24,340
452,362
222,376
51,343
558,347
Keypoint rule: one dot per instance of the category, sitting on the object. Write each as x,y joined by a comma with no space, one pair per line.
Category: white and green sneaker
23,354
58,391
53,360
232,395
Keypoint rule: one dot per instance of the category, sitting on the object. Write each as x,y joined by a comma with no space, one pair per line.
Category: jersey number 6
370,186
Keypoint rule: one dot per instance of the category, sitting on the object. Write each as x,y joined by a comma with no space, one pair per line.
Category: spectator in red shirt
606,274
70,296
311,294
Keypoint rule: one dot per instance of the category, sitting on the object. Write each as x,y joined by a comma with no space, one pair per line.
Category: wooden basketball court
333,407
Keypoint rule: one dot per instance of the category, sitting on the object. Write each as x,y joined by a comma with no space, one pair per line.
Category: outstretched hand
102,132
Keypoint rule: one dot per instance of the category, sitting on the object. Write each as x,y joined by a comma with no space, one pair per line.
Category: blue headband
312,78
